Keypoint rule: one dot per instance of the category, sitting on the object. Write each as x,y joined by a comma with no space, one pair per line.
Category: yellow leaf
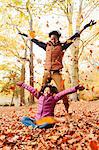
27,4
21,14
90,27
69,1
54,137
17,2
69,41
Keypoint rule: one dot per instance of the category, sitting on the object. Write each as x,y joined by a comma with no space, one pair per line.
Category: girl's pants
30,122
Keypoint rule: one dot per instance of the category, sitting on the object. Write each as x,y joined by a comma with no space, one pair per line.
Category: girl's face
47,91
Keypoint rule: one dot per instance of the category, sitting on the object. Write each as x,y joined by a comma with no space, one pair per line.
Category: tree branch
85,43
90,10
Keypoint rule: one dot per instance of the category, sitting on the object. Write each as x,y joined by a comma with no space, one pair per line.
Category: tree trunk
31,67
74,70
31,98
12,103
22,94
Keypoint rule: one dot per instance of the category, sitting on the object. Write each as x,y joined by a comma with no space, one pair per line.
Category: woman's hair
57,33
53,89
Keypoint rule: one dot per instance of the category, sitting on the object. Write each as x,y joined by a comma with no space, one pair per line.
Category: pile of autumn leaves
76,131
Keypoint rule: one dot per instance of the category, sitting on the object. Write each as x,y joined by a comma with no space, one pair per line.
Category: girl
47,97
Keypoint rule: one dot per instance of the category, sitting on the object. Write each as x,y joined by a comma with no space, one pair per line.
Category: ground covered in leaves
77,131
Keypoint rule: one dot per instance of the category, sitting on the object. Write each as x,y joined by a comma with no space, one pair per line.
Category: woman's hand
91,23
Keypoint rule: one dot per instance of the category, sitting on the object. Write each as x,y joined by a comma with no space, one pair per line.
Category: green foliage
17,2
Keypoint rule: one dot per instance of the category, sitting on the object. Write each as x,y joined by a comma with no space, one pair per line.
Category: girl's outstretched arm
74,89
29,88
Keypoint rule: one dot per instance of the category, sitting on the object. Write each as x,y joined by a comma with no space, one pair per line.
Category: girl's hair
53,89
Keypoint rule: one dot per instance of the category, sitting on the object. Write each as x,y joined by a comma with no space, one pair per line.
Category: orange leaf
32,34
22,46
97,67
13,75
93,88
65,139
93,145
30,109
62,83
43,120
12,88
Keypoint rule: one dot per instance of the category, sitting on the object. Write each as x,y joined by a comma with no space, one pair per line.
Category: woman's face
54,39
47,91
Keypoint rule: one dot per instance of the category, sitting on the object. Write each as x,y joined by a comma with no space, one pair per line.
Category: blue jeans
31,122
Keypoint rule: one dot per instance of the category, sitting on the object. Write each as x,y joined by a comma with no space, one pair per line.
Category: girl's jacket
46,104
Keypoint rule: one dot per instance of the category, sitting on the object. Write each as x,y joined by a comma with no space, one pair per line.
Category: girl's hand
19,83
80,87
